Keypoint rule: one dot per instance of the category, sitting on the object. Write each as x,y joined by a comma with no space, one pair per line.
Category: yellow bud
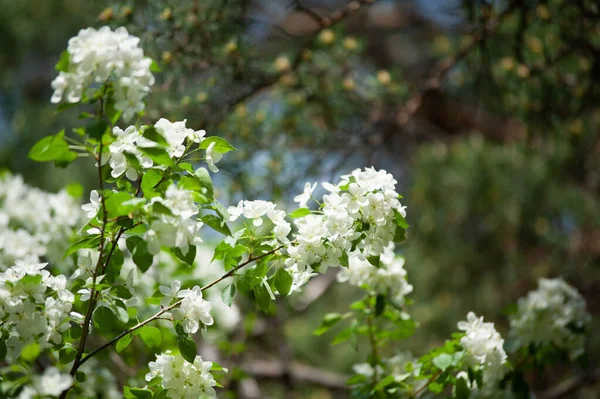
288,79
441,44
584,64
523,71
327,36
576,127
535,45
384,77
241,110
201,97
507,63
282,63
167,57
127,11
350,43
261,115
231,47
186,100
306,55
106,14
542,11
349,84
166,14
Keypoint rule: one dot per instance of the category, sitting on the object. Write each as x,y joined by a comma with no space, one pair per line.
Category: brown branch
300,372
571,385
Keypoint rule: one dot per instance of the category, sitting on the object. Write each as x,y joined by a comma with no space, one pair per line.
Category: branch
323,23
164,310
299,372
568,387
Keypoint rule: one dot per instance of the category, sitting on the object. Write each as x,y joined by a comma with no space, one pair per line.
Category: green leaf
30,352
120,203
205,181
154,67
379,305
160,156
300,212
262,297
187,347
344,259
98,129
462,390
67,355
384,383
136,393
151,336
374,260
216,224
104,318
442,361
221,145
149,180
153,135
124,342
139,252
228,294
3,349
283,281
342,336
53,148
330,320
75,190
90,241
399,235
189,257
400,221
63,63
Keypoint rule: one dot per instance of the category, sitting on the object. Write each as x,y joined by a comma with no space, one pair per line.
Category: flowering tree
147,224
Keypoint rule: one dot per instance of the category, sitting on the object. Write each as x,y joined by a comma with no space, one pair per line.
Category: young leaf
52,148
151,336
217,224
221,145
63,63
283,281
187,347
329,321
139,251
228,294
67,355
379,305
262,297
442,361
90,241
124,342
300,212
158,155
189,257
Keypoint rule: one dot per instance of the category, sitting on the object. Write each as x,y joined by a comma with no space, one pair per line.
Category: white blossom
182,379
483,347
50,383
96,56
193,310
306,195
93,206
212,157
553,314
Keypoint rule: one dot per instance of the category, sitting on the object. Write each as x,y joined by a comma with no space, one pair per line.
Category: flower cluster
129,141
181,378
34,306
256,210
51,383
553,314
179,229
34,224
94,57
193,308
358,213
389,277
483,347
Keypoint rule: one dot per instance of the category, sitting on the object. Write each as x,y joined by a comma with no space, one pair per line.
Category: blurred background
487,113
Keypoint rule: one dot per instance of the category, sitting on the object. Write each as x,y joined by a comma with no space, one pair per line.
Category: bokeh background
487,112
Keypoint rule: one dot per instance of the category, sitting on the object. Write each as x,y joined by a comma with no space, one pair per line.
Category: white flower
484,347
212,157
193,310
170,293
96,56
550,315
53,382
182,379
303,198
93,206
